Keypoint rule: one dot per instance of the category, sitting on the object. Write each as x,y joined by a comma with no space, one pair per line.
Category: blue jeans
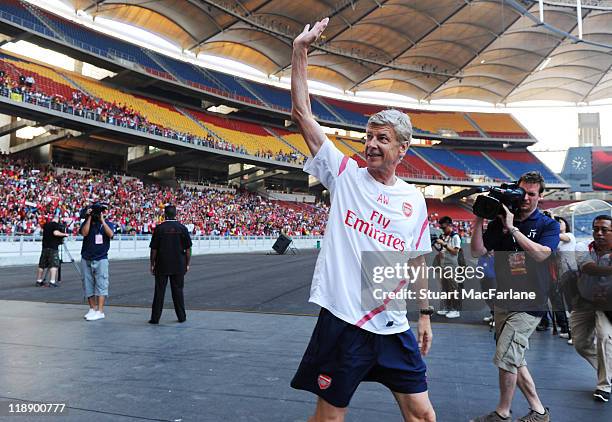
95,277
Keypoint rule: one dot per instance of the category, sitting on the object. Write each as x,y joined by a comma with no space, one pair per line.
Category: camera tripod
64,250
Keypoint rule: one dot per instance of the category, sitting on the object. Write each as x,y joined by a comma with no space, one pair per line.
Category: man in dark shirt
53,236
522,246
170,256
97,234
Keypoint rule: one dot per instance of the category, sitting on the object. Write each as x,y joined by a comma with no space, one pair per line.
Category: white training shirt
365,215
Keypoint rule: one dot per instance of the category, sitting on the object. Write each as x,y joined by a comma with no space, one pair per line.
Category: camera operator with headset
448,245
97,234
53,236
522,244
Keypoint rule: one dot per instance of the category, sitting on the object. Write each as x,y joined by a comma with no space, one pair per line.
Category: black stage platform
225,365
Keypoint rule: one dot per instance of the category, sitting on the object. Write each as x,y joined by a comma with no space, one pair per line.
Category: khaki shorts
513,330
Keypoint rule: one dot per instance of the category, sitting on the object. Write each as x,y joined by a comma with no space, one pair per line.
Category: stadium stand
437,208
435,122
15,12
476,163
155,111
420,168
444,160
46,79
499,125
295,139
253,137
97,43
274,97
519,162
353,113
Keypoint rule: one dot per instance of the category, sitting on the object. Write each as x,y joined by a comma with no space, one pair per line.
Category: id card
99,239
516,261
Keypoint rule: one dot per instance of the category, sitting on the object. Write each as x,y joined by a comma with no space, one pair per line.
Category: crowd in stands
281,156
118,114
30,196
462,227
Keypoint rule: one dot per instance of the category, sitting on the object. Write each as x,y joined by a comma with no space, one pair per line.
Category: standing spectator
170,256
448,245
591,318
97,234
53,236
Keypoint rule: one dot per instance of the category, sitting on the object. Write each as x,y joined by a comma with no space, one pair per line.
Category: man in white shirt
372,210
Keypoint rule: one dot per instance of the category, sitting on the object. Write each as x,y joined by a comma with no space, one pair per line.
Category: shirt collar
534,215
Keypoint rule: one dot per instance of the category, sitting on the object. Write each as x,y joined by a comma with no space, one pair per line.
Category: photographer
522,244
591,317
448,245
53,236
97,234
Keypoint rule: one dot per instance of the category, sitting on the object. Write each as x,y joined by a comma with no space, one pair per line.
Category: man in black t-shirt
49,257
170,256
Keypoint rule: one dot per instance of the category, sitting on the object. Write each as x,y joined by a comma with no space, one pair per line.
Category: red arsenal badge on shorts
407,208
324,381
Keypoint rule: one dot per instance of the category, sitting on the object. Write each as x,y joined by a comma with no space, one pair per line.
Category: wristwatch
514,230
427,311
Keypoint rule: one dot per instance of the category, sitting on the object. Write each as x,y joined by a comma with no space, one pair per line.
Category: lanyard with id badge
516,261
99,239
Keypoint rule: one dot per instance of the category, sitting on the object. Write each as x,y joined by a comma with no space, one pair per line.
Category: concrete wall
24,250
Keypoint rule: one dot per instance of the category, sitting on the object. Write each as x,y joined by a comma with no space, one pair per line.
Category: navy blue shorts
340,356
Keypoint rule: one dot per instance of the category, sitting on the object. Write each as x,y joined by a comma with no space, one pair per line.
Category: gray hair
400,122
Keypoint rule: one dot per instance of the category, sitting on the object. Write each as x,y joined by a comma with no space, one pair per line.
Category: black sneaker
602,396
40,283
53,285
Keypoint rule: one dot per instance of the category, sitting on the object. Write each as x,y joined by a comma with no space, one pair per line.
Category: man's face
382,149
531,198
446,228
602,234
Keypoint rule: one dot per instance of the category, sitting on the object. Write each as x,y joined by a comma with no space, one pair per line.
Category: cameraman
97,234
53,236
448,245
522,244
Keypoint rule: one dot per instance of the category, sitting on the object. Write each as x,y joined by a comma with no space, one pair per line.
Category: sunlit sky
555,127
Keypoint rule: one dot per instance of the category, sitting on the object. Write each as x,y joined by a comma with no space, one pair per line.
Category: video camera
96,209
490,206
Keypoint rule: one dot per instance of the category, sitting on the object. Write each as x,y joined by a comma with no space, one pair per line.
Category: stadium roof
489,50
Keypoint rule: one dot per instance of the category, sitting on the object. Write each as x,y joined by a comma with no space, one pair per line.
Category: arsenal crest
407,208
324,381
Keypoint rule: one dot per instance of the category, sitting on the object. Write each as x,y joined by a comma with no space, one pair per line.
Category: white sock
39,280
52,281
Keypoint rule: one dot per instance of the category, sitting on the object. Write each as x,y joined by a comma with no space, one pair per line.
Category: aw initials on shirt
380,219
383,199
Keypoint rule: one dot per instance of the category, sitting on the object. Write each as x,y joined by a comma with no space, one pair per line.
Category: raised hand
308,35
